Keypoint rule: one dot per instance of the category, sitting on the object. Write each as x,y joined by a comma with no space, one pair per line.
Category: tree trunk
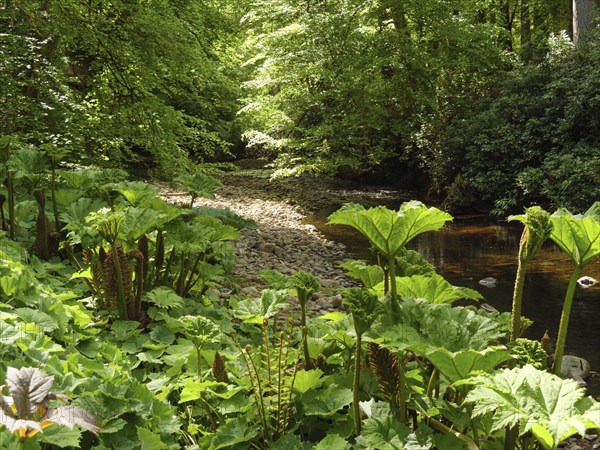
583,18
525,23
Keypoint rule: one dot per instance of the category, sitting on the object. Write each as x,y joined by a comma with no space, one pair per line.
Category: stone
251,291
489,282
267,247
576,368
336,301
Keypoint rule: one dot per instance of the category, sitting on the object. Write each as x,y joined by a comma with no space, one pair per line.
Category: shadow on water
467,251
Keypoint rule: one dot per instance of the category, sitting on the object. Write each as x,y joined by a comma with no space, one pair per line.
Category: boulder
576,368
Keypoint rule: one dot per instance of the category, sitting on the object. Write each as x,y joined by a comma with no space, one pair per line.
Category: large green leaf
434,288
369,275
577,235
288,441
40,318
387,433
199,329
459,365
194,389
253,310
226,216
60,437
199,184
552,408
233,432
139,221
149,440
136,192
389,231
411,262
164,297
421,326
332,442
307,380
328,401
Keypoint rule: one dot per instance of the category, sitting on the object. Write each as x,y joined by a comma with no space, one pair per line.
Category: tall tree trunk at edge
583,18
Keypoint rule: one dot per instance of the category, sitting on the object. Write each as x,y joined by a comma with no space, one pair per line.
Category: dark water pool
468,251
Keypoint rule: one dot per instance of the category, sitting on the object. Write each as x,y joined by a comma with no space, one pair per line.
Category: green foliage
529,352
456,366
198,185
389,231
255,310
356,87
532,140
434,288
368,275
579,237
421,325
92,79
365,309
537,402
538,227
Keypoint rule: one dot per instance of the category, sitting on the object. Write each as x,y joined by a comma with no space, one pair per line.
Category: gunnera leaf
29,388
434,288
69,416
551,408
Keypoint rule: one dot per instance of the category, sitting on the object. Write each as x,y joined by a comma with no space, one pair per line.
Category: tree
583,17
354,87
108,78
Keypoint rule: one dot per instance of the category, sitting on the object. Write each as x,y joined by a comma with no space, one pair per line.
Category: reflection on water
465,253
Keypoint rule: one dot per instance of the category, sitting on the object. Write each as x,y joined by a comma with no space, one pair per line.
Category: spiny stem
432,380
515,327
402,397
356,386
564,320
392,277
279,380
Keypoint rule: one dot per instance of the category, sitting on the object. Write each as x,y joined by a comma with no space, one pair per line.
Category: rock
317,295
587,282
487,307
328,284
267,247
576,368
251,291
489,282
336,301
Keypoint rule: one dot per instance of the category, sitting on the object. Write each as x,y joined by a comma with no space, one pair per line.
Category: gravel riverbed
281,241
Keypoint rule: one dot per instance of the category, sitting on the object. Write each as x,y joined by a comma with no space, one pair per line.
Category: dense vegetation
111,297
121,325
485,104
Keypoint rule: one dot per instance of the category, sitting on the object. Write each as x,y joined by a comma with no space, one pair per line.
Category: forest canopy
485,104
